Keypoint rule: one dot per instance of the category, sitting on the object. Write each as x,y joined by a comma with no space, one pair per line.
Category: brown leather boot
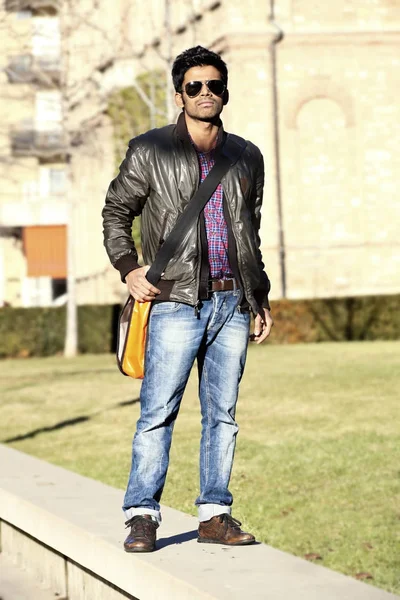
142,537
224,529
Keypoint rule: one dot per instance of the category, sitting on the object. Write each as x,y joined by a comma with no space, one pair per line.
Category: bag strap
228,156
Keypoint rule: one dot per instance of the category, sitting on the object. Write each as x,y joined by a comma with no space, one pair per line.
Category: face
205,106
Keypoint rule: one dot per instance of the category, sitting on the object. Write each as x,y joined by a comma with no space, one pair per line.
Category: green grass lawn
317,466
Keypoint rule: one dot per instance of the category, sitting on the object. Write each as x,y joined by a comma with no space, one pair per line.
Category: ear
225,97
179,100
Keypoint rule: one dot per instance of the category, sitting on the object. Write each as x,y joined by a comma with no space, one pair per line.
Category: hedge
40,331
336,319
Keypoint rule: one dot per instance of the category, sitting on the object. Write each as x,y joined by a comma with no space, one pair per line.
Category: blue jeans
218,338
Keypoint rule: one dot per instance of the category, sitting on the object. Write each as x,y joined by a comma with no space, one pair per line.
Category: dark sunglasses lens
216,86
193,88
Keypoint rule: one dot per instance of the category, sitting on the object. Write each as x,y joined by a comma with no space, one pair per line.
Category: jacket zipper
199,248
163,228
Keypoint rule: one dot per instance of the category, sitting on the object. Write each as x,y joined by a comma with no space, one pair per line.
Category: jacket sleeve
261,293
126,196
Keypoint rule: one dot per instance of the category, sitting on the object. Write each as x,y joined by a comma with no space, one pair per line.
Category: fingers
138,286
264,334
141,296
262,327
258,325
150,288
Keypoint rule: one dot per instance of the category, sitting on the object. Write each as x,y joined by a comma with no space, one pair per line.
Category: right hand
139,287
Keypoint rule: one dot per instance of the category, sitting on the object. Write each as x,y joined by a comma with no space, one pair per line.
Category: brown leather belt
222,285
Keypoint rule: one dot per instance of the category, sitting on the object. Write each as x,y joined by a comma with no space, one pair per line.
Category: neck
203,133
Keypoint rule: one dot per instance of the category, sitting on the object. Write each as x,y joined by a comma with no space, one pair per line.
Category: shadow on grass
177,539
35,432
66,423
128,402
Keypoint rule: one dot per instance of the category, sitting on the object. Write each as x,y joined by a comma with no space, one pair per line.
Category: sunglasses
216,87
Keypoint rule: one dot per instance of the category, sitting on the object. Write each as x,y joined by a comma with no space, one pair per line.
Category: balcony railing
42,144
47,6
26,68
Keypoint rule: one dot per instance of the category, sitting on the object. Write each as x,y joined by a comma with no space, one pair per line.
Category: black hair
196,57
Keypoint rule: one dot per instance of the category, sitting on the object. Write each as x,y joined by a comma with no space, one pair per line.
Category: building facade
313,84
56,150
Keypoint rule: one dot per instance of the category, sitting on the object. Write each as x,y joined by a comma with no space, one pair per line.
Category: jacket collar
183,133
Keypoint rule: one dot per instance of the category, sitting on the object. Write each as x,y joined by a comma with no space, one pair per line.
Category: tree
89,44
79,45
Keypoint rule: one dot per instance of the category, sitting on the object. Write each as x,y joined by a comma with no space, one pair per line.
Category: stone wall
321,102
313,84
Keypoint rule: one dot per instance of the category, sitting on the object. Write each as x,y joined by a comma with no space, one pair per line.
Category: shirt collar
183,132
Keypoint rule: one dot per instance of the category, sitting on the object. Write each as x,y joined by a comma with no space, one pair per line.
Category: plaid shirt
216,229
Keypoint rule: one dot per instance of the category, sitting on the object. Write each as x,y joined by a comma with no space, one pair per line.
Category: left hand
262,327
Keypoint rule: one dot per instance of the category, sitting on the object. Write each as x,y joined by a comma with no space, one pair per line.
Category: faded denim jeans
218,338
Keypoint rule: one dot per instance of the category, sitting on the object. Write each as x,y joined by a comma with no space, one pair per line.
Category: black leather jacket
158,177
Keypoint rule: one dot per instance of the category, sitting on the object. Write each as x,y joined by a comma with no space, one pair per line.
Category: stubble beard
212,118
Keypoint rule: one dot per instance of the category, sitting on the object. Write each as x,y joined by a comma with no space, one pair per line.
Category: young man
201,306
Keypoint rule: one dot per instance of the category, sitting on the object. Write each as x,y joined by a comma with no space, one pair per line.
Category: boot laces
142,527
230,521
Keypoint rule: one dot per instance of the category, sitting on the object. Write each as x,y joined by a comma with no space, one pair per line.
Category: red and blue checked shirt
216,228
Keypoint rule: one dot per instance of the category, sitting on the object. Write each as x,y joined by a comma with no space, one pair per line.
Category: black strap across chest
228,156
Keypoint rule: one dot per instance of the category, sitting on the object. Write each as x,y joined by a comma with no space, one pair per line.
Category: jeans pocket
163,308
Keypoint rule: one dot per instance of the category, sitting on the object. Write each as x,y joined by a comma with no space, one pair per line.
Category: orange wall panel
46,251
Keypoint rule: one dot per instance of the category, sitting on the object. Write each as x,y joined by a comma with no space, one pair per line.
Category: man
201,306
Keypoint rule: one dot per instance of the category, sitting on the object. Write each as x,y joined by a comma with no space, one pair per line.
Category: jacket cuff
261,297
125,265
262,291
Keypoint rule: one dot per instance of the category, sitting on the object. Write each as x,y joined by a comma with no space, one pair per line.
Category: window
23,14
46,37
58,288
58,180
21,63
48,105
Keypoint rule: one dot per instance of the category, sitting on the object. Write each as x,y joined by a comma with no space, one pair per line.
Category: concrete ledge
68,531
43,564
17,585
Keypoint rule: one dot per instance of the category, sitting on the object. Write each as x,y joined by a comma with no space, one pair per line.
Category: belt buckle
210,284
232,281
222,283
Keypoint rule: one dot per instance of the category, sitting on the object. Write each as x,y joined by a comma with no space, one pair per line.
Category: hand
139,287
262,327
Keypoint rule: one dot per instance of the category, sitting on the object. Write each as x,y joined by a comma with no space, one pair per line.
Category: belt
222,285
